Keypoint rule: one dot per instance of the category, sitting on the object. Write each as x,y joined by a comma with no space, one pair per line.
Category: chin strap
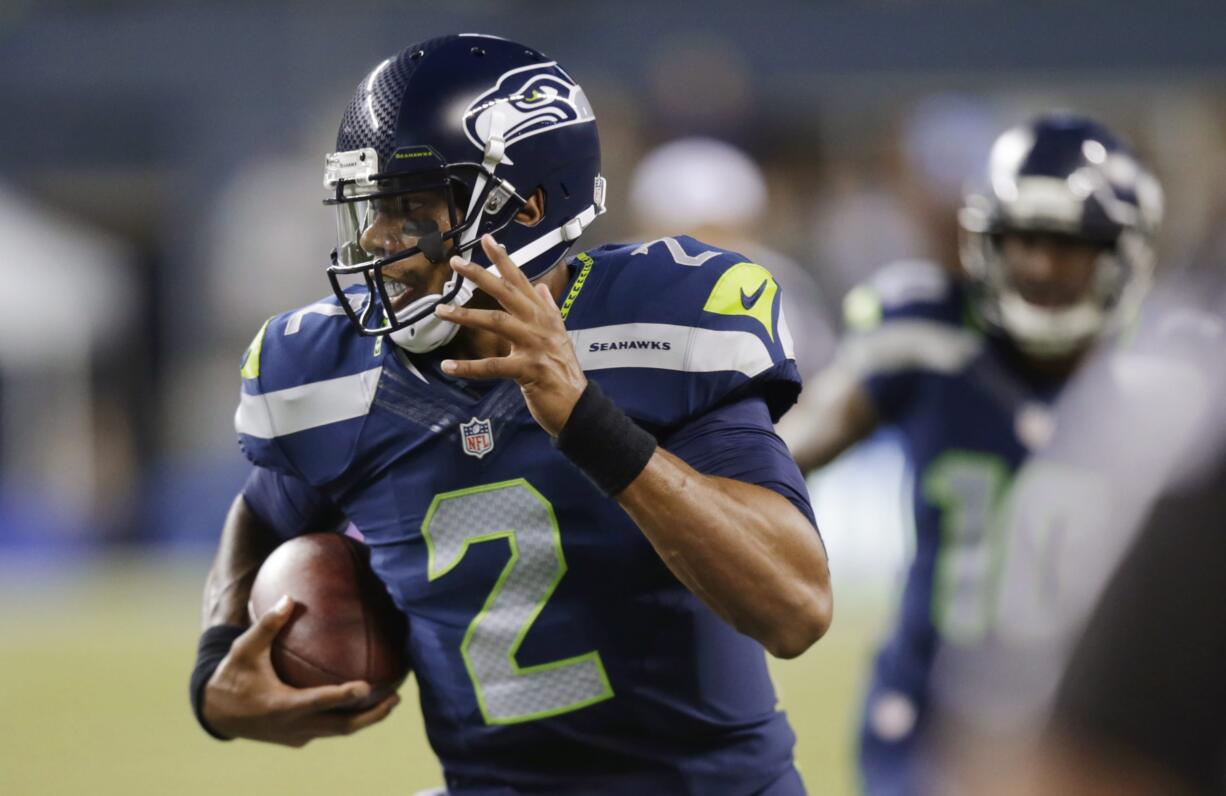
568,232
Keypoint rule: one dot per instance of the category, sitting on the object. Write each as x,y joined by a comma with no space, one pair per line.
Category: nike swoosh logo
748,301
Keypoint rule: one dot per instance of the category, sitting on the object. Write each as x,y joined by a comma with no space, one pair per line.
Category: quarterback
565,467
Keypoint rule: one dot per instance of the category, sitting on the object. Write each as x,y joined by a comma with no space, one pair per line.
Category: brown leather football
345,626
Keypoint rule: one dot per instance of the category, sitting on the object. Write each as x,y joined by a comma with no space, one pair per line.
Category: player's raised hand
245,698
542,358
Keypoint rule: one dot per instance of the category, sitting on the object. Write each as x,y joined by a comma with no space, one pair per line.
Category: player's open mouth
400,294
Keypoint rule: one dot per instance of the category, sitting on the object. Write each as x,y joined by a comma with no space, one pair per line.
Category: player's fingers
347,724
497,287
491,368
500,322
511,274
553,311
258,638
305,701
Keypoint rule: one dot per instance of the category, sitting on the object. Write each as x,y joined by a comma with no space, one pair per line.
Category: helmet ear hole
533,210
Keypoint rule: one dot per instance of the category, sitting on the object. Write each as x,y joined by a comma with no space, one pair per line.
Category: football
344,627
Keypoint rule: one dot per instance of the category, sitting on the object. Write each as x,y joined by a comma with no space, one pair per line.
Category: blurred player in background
566,469
1140,703
1057,251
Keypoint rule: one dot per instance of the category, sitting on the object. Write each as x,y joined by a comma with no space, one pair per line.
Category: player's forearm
245,543
745,551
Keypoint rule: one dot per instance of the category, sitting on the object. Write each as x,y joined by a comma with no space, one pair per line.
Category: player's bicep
287,505
738,441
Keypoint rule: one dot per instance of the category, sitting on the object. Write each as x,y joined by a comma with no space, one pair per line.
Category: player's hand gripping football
246,699
541,358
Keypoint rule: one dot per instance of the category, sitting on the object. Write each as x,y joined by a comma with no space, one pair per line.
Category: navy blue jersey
968,414
554,650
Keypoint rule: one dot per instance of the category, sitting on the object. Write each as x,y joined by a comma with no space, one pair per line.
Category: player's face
398,223
1049,270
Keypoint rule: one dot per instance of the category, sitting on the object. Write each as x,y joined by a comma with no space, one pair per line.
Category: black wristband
603,442
215,644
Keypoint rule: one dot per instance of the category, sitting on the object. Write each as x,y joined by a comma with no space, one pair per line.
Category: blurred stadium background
159,197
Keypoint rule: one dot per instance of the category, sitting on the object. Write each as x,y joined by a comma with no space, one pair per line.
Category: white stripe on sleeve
281,412
910,345
667,346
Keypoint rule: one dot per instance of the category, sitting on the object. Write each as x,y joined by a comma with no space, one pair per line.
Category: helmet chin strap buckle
568,232
572,229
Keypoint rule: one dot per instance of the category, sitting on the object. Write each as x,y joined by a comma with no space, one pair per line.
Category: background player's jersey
553,649
1135,412
968,416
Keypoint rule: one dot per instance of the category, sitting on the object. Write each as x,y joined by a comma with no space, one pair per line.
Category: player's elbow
802,623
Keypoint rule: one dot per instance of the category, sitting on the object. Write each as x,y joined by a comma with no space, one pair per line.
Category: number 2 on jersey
508,693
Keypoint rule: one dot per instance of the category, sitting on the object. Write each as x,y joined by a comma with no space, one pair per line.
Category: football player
1056,253
565,468
1137,430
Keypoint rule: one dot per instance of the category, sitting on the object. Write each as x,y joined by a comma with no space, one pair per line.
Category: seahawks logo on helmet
533,99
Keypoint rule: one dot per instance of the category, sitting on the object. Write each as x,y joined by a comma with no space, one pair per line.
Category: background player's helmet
488,122
1064,175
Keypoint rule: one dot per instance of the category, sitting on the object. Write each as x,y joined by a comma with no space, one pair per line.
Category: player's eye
418,227
399,206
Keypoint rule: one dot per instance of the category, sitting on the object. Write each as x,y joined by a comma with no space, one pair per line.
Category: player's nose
1050,279
1042,264
381,238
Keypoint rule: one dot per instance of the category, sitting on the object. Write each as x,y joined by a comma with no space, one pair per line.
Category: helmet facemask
1106,200
359,201
1044,330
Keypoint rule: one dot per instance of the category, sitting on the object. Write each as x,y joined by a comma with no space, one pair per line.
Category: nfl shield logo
477,436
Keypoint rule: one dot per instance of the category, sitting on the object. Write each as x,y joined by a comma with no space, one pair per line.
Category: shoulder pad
676,305
673,280
306,371
910,316
906,288
306,345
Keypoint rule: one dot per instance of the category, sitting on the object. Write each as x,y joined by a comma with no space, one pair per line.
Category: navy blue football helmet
1068,176
486,122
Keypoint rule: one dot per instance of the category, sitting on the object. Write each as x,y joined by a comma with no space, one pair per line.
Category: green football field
94,666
